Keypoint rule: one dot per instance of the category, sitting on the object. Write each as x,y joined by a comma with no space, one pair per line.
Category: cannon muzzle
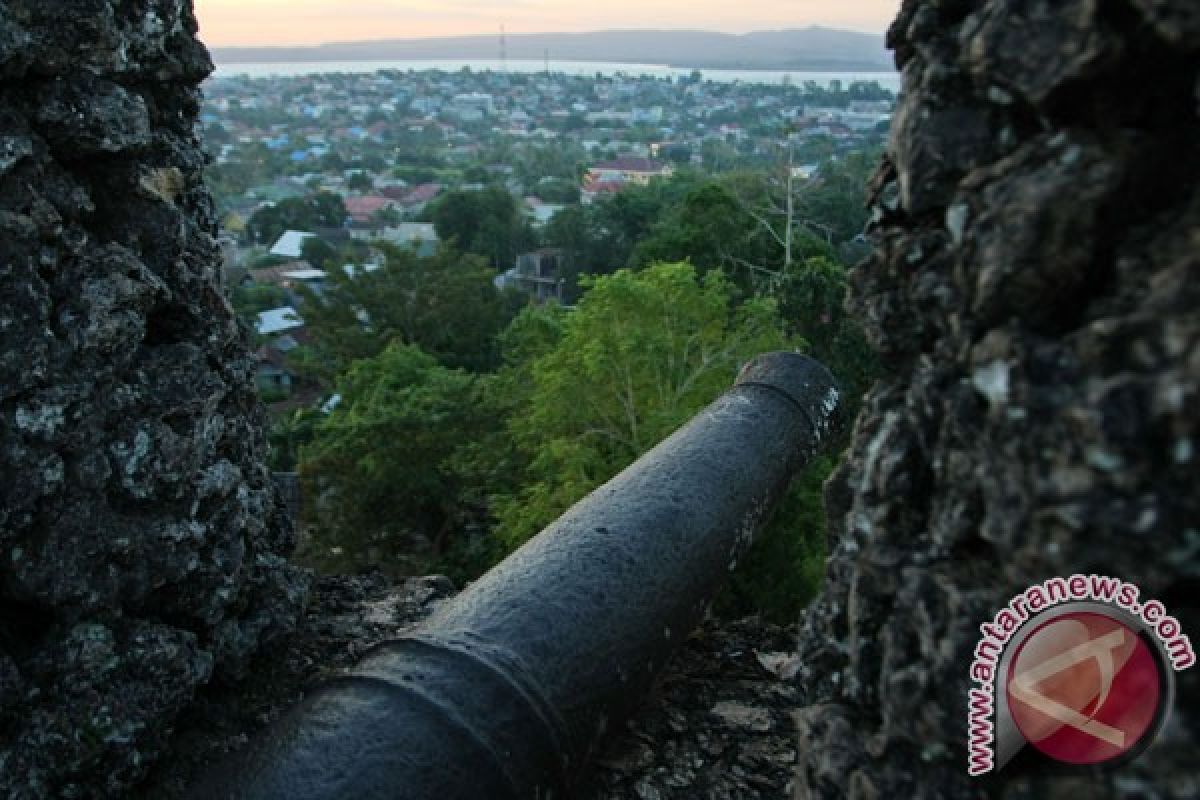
507,689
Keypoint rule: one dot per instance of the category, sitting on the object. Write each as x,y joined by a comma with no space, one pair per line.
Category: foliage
624,219
557,190
707,228
250,300
289,434
320,253
783,570
320,210
486,222
445,304
359,182
639,356
836,198
812,297
495,464
382,464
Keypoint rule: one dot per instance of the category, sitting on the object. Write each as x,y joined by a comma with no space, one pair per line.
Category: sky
289,22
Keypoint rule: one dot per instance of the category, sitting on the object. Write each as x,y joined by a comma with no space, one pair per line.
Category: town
313,172
498,289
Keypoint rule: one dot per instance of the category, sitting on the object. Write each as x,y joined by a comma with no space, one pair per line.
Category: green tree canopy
486,222
641,354
320,253
707,228
320,210
445,304
383,463
812,298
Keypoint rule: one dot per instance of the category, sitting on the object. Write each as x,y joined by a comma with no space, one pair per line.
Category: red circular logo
1084,688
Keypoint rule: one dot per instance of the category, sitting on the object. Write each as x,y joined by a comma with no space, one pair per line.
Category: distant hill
815,48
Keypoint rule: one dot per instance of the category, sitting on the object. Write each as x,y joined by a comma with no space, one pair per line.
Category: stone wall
141,540
1034,294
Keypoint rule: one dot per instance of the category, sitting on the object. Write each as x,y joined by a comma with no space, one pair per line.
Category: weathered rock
1034,295
141,540
720,724
345,617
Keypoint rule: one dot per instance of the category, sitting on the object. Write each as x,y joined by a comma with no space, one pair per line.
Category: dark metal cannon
505,692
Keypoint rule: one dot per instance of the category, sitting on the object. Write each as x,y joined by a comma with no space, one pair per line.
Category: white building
291,244
278,320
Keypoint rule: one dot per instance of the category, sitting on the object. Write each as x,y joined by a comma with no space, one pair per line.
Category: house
291,244
420,197
283,331
628,170
595,188
361,209
289,277
278,320
314,279
273,374
538,274
805,171
541,212
472,106
421,237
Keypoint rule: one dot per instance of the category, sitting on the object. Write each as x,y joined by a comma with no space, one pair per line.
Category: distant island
813,49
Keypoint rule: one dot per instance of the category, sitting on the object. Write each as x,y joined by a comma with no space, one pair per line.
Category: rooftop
291,244
278,320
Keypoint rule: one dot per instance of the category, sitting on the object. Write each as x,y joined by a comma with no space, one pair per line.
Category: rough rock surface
346,615
1034,294
141,541
719,725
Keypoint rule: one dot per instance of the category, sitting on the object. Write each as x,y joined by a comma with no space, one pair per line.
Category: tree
321,210
360,182
383,462
250,300
679,154
486,222
640,355
319,253
709,229
445,304
812,298
572,230
557,190
619,222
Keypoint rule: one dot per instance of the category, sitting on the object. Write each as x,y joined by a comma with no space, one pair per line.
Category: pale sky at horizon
293,22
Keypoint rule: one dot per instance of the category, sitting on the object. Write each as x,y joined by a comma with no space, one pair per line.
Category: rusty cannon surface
507,690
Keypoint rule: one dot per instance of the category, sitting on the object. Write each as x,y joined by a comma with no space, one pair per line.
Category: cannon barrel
508,688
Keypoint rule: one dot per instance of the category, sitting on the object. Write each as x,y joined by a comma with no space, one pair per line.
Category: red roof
275,275
366,206
422,194
603,187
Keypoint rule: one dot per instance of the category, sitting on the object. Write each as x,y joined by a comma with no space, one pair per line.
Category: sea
888,80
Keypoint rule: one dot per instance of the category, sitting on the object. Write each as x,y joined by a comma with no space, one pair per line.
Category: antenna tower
503,50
